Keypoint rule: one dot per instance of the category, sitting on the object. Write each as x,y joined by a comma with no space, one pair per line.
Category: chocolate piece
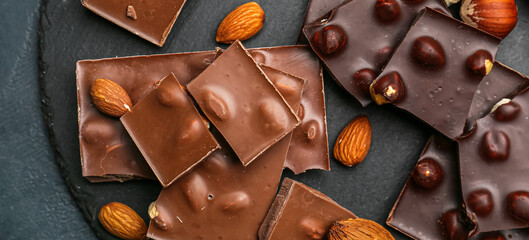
300,212
502,82
517,234
151,20
100,134
235,94
369,40
221,194
428,205
169,131
441,97
316,9
493,158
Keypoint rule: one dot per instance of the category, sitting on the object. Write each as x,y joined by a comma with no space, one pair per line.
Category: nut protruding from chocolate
215,105
507,111
480,62
453,228
311,130
131,12
388,89
480,202
235,202
495,145
110,98
154,215
518,204
330,39
275,119
169,97
363,79
427,173
195,190
313,228
387,10
428,52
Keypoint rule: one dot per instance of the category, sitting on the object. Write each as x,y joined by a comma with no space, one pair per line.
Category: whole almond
353,143
110,98
358,229
122,221
242,23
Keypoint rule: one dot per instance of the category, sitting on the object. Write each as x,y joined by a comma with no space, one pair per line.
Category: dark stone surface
34,202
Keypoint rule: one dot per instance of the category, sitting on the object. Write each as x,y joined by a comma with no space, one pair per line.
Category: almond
242,23
358,229
353,143
122,221
110,98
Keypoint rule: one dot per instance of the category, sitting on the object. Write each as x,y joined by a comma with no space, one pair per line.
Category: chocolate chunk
221,194
493,158
235,94
300,212
371,30
440,97
155,21
418,210
169,131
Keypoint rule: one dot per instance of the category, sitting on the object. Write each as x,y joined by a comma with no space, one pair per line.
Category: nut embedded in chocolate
491,236
216,105
131,13
518,204
427,173
388,89
363,79
387,10
495,145
480,202
428,52
330,39
313,228
382,56
453,228
480,62
507,112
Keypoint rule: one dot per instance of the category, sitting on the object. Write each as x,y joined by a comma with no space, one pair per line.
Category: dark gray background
34,202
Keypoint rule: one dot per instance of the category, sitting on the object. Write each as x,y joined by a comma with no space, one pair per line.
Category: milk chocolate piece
242,103
438,95
427,205
109,154
300,212
367,40
221,198
168,130
494,169
151,20
502,82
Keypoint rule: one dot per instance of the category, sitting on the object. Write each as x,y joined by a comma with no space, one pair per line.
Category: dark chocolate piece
502,82
169,131
242,103
151,20
221,198
300,212
428,204
368,41
439,95
493,165
139,74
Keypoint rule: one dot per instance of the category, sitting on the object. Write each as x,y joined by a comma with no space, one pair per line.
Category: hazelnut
497,17
427,173
495,145
518,204
329,39
507,111
387,10
382,56
453,228
428,52
480,62
480,202
387,89
363,79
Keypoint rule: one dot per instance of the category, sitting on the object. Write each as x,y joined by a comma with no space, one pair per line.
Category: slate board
69,33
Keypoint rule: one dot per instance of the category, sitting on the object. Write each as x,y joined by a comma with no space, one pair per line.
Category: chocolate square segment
361,35
242,103
430,76
169,131
300,212
152,20
493,167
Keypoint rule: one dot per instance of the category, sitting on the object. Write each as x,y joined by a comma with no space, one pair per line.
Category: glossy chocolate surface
300,212
169,131
482,168
440,97
369,42
502,82
418,210
220,198
151,20
235,94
